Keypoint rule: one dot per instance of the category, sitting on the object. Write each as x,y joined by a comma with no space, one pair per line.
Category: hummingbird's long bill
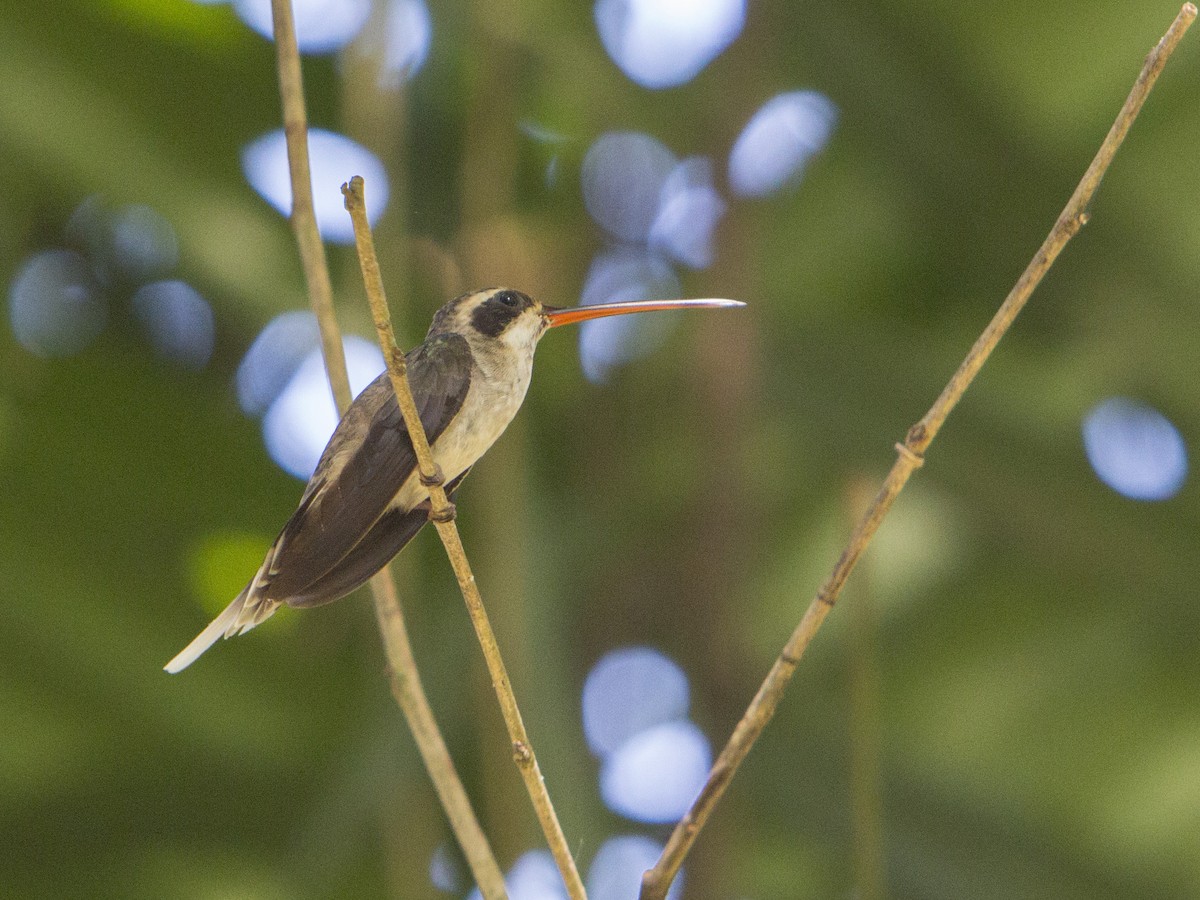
599,310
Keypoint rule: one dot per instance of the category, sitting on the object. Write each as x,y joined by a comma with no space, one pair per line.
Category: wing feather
388,536
364,465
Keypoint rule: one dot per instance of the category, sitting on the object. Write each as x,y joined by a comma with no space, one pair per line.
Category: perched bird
365,499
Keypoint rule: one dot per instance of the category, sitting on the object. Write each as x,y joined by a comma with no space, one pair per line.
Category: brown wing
363,466
387,537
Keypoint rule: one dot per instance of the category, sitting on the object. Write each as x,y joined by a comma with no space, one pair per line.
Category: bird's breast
490,404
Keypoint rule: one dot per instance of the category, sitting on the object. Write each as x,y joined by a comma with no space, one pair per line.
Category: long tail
235,619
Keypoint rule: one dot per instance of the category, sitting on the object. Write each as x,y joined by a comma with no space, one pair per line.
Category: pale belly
484,416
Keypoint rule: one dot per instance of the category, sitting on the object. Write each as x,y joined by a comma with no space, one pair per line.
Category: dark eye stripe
491,318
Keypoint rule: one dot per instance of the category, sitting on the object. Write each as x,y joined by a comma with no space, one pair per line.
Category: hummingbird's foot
446,515
438,477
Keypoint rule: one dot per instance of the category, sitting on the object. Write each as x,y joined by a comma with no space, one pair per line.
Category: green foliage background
1036,657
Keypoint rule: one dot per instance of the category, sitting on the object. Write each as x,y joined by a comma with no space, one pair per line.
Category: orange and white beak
558,316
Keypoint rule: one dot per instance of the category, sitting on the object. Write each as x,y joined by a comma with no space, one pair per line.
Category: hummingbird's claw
446,515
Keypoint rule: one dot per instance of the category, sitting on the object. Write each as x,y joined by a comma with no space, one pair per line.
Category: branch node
909,455
521,753
917,436
435,479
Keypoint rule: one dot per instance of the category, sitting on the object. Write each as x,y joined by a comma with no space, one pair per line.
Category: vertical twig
910,456
442,515
410,696
304,217
405,679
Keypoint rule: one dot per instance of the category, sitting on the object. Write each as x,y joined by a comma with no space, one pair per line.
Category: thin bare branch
657,880
304,217
410,695
442,515
405,678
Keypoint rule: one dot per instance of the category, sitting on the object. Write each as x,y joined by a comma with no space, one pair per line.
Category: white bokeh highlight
617,868
534,876
1134,449
445,871
144,244
778,141
666,43
628,691
322,26
624,273
622,177
54,304
689,209
178,322
402,43
273,358
300,421
334,160
655,775
637,191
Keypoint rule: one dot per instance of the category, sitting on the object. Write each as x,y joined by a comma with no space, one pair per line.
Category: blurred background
1006,703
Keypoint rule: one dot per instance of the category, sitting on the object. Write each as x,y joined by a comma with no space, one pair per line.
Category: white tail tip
216,629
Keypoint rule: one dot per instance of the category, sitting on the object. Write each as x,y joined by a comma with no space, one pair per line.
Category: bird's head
495,319
502,317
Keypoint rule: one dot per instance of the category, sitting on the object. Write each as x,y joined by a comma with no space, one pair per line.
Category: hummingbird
365,500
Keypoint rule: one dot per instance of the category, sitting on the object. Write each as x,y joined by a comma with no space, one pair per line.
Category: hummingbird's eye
509,299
